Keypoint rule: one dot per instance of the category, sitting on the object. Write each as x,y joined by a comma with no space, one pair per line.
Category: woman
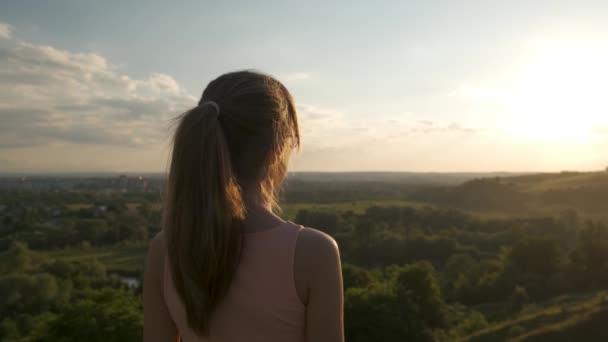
225,268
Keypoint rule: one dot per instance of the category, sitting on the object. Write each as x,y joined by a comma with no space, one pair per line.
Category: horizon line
92,173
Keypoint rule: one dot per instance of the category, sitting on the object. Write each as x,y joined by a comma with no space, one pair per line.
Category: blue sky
389,85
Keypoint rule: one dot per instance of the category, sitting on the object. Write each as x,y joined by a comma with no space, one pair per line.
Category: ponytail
213,156
203,214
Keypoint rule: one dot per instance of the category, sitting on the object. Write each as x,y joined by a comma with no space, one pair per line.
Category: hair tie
213,104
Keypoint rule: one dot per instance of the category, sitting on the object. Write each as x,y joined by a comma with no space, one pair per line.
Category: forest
493,258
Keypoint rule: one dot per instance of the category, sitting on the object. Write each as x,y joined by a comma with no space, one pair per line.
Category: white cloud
479,93
329,131
315,113
6,31
328,128
53,96
294,76
65,110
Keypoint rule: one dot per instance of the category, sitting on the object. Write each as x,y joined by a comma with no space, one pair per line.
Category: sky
426,86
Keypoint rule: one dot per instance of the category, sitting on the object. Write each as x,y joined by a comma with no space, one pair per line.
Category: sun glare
559,92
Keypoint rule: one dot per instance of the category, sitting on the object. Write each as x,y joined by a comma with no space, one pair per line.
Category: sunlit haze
382,86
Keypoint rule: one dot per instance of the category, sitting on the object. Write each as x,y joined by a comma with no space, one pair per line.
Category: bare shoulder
317,262
314,244
157,248
158,240
158,322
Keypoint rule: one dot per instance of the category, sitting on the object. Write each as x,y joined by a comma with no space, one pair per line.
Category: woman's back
287,288
262,303
225,268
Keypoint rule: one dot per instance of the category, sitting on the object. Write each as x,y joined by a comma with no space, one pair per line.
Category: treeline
51,226
299,191
503,195
458,260
45,299
491,194
595,198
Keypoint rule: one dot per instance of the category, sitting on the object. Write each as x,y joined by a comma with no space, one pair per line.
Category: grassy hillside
414,178
566,318
558,181
570,193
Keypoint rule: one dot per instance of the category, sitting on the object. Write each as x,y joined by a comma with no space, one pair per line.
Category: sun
560,91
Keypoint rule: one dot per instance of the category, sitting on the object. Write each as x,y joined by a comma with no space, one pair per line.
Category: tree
407,305
589,259
127,232
418,290
111,315
459,278
354,276
536,264
363,233
19,257
9,330
93,230
371,314
27,293
327,221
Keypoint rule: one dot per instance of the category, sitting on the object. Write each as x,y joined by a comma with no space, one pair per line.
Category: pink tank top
262,303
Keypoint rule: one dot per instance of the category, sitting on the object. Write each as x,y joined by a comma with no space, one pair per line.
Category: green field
119,259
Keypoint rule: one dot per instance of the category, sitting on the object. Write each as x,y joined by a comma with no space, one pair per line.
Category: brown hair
235,141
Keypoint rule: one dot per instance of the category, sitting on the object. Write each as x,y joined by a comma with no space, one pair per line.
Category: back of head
230,150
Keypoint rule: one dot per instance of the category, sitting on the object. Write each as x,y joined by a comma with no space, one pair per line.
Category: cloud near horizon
294,76
5,30
53,101
53,96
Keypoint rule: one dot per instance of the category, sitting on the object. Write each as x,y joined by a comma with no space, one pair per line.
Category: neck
260,218
259,212
254,200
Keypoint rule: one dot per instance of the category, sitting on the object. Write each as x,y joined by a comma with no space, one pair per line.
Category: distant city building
123,183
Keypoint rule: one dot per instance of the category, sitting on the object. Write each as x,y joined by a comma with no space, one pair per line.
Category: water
131,282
